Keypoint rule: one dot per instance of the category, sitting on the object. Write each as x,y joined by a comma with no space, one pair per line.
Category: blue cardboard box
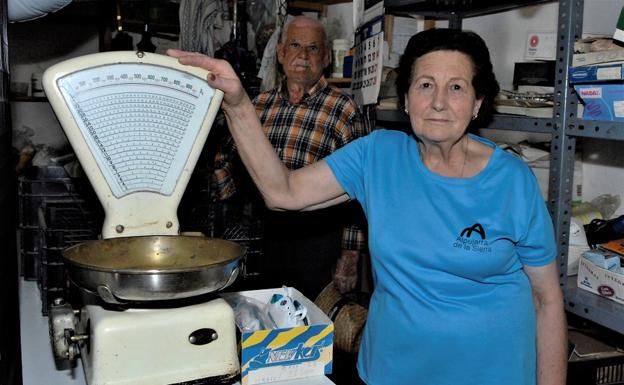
602,101
287,353
596,73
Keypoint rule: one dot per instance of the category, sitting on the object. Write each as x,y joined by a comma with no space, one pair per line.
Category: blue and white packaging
600,273
282,354
602,101
596,73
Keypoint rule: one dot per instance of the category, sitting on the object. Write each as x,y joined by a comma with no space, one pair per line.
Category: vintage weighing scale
137,122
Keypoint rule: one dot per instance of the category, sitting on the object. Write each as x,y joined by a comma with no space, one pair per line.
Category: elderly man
306,119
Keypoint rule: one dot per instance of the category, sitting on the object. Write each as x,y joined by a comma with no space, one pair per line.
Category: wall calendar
367,62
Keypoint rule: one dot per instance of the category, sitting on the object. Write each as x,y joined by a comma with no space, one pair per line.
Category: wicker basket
348,316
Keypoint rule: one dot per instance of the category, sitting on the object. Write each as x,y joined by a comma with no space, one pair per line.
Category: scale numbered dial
140,122
137,123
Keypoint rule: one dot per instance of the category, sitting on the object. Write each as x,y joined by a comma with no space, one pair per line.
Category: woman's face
441,100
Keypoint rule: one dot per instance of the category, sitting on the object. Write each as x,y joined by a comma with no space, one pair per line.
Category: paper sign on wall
540,46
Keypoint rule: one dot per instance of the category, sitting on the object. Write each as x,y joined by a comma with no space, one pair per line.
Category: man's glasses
311,50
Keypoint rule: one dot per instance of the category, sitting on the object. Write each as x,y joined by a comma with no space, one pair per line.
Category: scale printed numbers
138,133
126,78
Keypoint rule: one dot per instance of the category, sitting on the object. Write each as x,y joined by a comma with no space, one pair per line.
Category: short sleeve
537,247
348,165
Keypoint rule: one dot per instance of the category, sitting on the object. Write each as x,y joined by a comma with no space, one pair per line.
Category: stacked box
601,89
595,279
602,101
596,73
61,225
54,211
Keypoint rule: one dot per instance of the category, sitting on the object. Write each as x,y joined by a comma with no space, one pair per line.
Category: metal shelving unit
500,122
593,129
564,128
587,305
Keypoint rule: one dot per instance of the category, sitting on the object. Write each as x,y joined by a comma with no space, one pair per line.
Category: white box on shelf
605,283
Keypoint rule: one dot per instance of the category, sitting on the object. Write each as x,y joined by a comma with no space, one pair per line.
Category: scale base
153,346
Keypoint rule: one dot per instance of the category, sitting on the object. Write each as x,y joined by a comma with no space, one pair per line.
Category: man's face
303,54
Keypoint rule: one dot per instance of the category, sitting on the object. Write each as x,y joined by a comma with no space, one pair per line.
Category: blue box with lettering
596,73
286,353
602,101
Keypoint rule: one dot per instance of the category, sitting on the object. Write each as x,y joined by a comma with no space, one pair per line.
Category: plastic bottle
340,47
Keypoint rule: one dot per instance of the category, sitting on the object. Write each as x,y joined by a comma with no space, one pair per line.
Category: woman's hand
222,76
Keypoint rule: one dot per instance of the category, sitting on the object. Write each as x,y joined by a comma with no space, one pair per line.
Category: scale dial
139,122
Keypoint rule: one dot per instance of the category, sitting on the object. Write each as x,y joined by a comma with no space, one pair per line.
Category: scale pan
153,268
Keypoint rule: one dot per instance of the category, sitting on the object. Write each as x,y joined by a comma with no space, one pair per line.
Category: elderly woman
462,246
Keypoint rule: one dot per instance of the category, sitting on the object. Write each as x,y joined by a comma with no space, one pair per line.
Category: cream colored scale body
148,347
137,123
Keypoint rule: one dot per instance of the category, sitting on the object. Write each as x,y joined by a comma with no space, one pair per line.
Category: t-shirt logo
473,239
477,228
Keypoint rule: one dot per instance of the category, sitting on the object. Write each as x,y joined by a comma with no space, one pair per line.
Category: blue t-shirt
452,304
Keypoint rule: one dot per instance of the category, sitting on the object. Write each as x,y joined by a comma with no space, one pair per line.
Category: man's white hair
306,19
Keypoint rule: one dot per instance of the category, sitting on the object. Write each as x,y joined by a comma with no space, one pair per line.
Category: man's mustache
301,62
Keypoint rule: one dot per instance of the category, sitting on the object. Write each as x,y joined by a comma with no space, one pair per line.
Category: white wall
505,34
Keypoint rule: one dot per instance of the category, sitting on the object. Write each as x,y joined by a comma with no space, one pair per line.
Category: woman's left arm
552,332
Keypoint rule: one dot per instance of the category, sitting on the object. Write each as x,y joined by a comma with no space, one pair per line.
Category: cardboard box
596,73
602,101
597,57
287,353
595,279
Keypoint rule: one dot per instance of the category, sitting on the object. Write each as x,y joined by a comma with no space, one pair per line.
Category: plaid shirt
302,133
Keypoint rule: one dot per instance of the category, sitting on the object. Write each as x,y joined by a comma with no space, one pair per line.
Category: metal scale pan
153,268
137,122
